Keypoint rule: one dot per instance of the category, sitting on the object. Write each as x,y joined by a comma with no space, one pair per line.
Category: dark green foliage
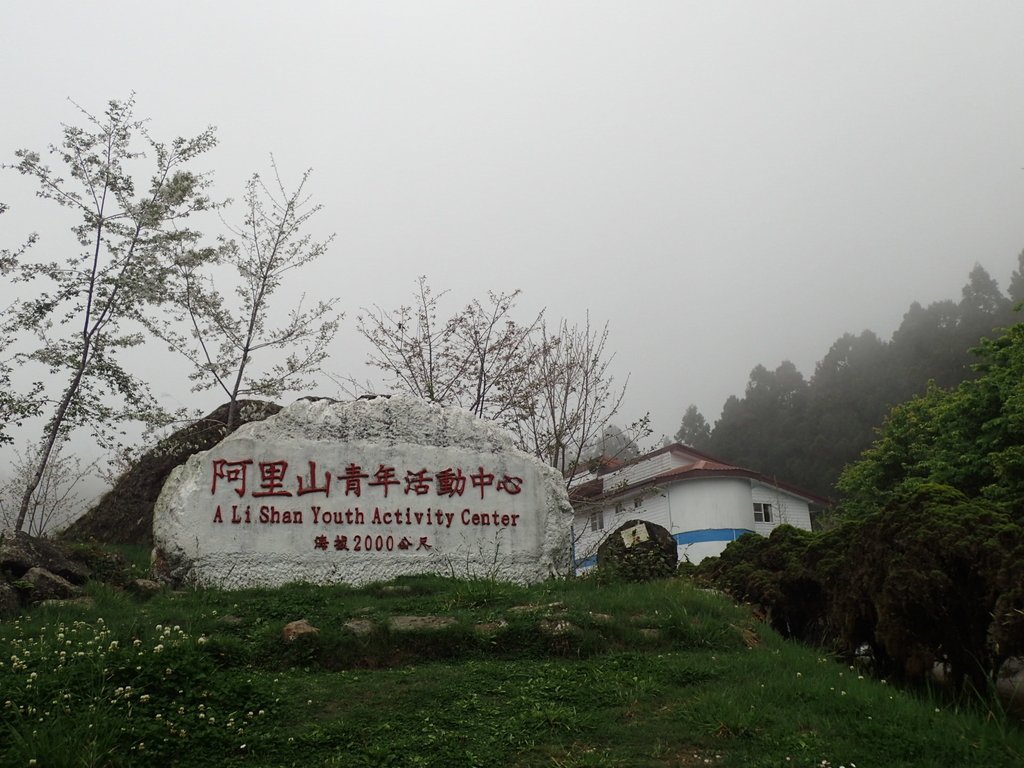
694,429
970,437
775,573
919,582
645,565
928,566
1015,290
761,430
932,578
805,432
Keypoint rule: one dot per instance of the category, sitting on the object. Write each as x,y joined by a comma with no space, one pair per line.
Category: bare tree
225,336
554,391
570,395
55,499
117,269
476,359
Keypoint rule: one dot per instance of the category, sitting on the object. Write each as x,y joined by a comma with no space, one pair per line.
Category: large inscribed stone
361,491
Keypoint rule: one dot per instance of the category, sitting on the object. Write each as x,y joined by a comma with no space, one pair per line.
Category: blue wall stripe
688,537
709,534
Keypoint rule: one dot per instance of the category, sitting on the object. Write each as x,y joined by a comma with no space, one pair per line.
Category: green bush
775,573
934,578
920,582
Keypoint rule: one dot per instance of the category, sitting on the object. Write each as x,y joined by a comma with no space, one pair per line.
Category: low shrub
934,578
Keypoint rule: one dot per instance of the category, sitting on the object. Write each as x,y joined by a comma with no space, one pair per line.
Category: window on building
597,520
762,512
618,508
638,502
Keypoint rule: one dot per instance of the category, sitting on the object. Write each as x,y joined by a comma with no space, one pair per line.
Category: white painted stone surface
255,511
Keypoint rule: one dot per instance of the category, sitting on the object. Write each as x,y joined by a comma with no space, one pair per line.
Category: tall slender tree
115,270
694,430
1015,289
225,336
570,395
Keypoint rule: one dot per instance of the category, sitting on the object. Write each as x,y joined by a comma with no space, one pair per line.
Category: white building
703,502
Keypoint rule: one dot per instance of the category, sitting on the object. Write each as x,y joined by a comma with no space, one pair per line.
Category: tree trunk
50,439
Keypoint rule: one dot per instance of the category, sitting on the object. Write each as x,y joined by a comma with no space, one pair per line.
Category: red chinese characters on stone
417,482
274,480
272,477
363,543
450,482
232,472
384,477
510,485
325,489
482,480
353,478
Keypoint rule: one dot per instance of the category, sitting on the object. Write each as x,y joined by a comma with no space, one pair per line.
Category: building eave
705,467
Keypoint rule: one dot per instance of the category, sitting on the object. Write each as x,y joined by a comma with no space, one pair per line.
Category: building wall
642,470
703,514
653,507
786,509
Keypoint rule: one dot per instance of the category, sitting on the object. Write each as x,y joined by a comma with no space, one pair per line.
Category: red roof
705,466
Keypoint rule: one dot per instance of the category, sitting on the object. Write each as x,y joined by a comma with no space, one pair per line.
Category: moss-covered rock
124,515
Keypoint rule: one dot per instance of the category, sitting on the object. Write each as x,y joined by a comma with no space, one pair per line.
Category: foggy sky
725,183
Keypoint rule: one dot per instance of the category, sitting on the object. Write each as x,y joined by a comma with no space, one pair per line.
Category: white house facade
702,502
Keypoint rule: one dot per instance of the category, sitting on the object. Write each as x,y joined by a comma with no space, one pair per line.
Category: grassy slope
591,675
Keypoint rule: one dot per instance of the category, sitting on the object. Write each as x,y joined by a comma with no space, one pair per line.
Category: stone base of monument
638,550
364,491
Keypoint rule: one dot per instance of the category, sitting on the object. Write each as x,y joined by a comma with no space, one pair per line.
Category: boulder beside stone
44,585
19,553
638,550
124,515
293,630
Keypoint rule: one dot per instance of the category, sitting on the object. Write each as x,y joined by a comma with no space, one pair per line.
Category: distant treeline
805,431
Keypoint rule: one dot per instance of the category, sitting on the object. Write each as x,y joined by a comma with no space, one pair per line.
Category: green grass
571,673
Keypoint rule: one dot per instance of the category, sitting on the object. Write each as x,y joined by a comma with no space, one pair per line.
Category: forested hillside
805,431
925,564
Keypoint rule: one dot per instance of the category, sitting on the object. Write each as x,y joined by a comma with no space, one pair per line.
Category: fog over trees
805,431
135,272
